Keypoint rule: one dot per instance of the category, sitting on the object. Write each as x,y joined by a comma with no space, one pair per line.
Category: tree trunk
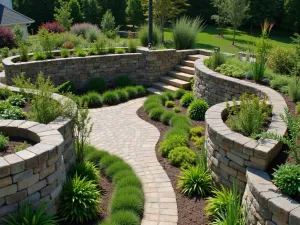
233,41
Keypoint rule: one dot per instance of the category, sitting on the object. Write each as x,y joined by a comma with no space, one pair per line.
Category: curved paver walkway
120,131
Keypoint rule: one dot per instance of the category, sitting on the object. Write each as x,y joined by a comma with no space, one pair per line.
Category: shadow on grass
205,46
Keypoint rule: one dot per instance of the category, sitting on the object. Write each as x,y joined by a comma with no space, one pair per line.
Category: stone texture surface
121,132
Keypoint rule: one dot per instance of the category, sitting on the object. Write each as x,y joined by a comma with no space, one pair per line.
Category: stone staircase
179,77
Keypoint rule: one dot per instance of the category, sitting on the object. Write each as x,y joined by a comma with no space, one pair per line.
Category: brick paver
120,131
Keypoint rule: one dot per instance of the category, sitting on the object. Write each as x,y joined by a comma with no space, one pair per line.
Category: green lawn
208,39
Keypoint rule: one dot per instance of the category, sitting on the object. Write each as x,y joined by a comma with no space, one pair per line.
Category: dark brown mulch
13,143
106,189
190,211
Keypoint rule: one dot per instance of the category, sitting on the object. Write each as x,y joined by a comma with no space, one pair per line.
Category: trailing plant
185,31
195,181
287,179
80,200
3,142
27,214
292,138
249,116
197,109
187,99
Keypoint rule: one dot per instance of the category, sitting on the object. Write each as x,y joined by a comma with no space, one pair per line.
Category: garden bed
190,210
16,144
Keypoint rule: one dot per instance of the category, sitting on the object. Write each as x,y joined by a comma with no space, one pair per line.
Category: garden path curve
120,131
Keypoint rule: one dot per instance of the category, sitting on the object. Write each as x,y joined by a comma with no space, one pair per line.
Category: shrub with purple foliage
7,38
83,28
53,27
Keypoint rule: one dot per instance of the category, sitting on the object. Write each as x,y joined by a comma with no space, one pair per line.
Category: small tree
165,10
108,24
63,15
18,32
220,17
236,12
134,12
75,9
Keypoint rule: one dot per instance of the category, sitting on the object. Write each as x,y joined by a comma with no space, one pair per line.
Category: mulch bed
190,211
13,143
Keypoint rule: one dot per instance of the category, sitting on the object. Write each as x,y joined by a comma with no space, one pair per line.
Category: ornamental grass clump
216,60
166,117
87,170
108,160
143,35
116,167
110,98
141,91
125,218
92,99
156,113
122,95
132,92
185,31
197,109
187,99
3,142
179,93
248,117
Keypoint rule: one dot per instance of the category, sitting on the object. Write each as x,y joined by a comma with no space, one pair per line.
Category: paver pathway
120,131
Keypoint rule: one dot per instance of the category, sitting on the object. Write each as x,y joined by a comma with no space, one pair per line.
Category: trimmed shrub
125,218
86,169
181,155
198,141
280,60
197,131
169,104
143,35
97,84
122,95
176,131
80,200
179,93
53,27
129,181
172,142
195,181
141,91
177,110
116,167
132,92
156,113
127,202
121,174
286,178
93,99
185,31
187,99
197,109
120,51
79,52
166,117
110,98
7,38
123,81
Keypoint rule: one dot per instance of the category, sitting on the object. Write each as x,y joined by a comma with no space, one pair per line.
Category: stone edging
266,205
230,153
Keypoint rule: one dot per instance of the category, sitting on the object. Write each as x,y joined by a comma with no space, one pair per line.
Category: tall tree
134,12
237,12
118,8
200,7
165,10
76,11
63,14
220,17
92,11
292,14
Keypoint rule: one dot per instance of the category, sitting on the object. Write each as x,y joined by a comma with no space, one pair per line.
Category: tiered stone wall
266,206
143,67
35,174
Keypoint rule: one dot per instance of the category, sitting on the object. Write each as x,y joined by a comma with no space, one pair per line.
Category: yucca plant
28,215
185,31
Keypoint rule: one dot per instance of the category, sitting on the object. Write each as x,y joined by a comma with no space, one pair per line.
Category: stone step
181,75
196,57
164,86
188,63
152,90
175,82
185,69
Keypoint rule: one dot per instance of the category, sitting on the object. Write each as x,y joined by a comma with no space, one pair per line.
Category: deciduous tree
76,11
134,12
220,17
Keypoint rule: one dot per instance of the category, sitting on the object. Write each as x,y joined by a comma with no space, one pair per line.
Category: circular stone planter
35,174
230,153
266,205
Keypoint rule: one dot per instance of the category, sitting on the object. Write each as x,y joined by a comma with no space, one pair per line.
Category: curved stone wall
266,206
143,67
37,173
231,153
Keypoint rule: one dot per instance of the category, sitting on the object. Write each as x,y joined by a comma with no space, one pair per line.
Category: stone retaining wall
143,67
231,153
37,173
266,206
